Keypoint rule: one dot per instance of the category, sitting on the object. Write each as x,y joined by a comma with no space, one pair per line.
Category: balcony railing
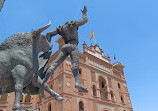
104,95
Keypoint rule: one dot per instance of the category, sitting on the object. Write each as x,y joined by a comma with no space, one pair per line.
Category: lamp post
1,4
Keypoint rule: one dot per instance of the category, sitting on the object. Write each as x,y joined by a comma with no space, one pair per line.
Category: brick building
105,82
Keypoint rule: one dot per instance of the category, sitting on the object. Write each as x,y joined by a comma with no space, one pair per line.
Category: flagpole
94,39
90,40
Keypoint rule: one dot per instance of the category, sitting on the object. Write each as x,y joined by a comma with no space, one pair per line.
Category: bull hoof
57,96
80,87
16,107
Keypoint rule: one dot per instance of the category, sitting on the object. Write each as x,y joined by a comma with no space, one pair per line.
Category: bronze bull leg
18,73
37,81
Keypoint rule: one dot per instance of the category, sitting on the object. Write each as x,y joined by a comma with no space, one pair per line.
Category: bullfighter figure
69,33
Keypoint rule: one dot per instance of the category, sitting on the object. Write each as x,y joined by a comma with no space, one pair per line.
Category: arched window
81,106
122,99
103,84
119,86
28,98
112,95
80,71
94,91
103,88
49,107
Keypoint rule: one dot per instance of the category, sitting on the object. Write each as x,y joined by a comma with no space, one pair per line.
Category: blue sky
126,28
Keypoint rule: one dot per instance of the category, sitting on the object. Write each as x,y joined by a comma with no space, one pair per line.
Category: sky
126,28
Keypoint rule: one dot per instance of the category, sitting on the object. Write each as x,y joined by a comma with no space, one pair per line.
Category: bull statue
19,64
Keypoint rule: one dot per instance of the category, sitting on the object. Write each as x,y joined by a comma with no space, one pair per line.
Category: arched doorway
81,106
49,107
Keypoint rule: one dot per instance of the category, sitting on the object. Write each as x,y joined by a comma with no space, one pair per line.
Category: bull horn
43,28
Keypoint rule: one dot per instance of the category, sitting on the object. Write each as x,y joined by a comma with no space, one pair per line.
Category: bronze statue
69,32
19,66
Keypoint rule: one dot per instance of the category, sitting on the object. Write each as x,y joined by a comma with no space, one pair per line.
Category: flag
91,35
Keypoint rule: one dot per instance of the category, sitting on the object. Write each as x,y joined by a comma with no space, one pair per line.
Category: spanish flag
91,35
